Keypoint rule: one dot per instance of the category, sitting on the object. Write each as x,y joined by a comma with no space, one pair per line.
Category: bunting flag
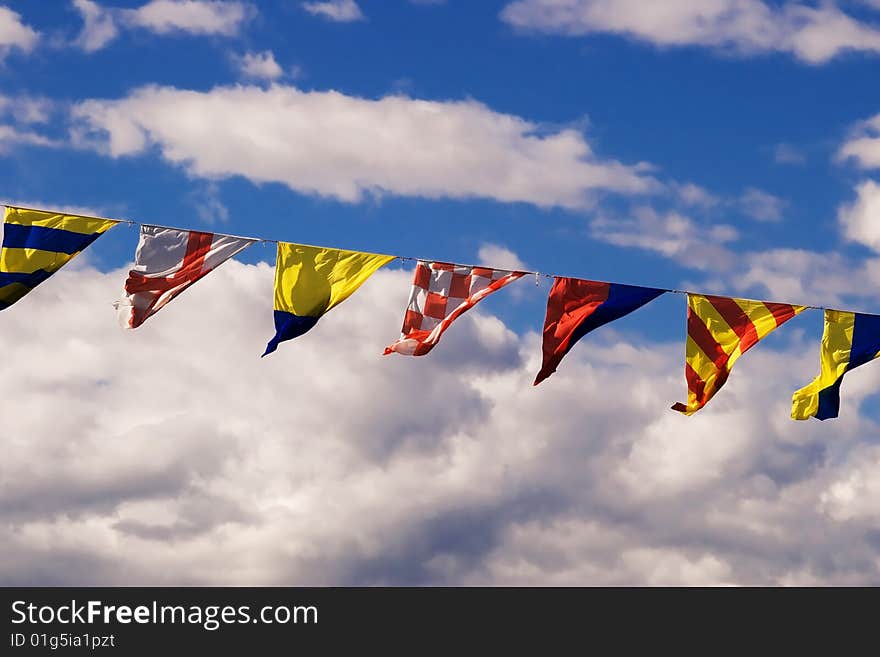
720,330
168,261
310,280
575,307
849,340
441,292
37,244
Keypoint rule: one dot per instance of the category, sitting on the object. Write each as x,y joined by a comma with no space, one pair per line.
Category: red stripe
737,319
695,384
782,312
198,246
704,340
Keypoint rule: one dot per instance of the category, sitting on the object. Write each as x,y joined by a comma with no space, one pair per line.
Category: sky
722,146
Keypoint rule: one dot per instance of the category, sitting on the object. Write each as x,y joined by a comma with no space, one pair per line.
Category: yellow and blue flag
36,244
311,280
849,340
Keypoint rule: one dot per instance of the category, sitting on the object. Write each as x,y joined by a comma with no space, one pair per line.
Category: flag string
262,240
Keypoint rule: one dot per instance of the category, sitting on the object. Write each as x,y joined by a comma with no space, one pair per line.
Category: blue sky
726,146
712,117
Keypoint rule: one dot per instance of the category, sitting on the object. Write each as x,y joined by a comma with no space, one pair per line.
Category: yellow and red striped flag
720,330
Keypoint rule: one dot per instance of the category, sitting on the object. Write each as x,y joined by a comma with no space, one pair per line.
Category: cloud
339,11
99,25
802,276
187,459
19,115
12,136
208,205
259,65
26,110
863,147
860,220
813,34
761,205
195,17
671,234
328,144
495,255
694,196
788,154
15,34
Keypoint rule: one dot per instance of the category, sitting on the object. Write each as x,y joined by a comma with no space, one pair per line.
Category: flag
36,244
441,292
849,340
310,280
576,307
720,330
168,261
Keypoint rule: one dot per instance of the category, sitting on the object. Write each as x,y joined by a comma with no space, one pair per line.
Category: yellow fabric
21,262
703,364
27,261
310,280
834,358
73,223
11,293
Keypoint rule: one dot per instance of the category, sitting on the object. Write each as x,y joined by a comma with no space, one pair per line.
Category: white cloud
14,33
761,205
340,11
495,255
192,16
99,28
788,154
208,204
18,115
864,146
187,459
259,65
340,146
196,17
695,196
860,220
11,136
801,276
670,234
813,34
26,110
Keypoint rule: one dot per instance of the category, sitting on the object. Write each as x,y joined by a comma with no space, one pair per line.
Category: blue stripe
287,327
865,345
622,300
829,401
30,280
16,236
866,340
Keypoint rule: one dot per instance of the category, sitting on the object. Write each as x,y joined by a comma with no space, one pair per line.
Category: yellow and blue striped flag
849,340
37,244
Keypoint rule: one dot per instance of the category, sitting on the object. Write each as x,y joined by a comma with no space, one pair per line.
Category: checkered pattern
440,293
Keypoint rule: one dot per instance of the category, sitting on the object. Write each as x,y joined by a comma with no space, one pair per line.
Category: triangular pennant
36,244
168,261
441,292
849,340
310,280
719,331
575,307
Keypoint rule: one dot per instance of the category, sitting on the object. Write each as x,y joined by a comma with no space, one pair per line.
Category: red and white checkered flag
440,293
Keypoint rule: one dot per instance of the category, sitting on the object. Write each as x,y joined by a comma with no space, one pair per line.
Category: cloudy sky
728,146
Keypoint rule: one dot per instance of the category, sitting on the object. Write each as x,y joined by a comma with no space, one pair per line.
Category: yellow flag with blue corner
310,280
36,244
849,340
